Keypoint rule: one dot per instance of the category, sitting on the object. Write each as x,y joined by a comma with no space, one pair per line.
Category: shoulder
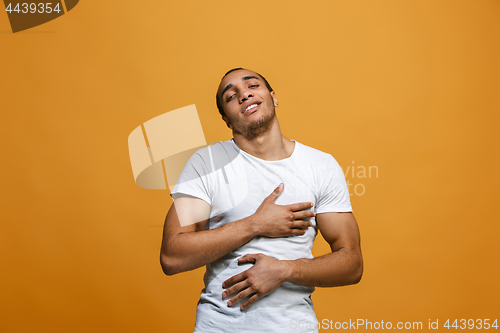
315,155
216,155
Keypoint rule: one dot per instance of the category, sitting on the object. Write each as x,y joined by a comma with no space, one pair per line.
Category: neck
270,145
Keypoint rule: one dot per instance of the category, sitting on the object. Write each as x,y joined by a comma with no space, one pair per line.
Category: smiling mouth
251,108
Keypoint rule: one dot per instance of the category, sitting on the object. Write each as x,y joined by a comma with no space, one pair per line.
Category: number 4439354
471,324
33,8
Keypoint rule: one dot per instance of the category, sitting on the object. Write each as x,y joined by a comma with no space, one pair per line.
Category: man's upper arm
340,230
186,214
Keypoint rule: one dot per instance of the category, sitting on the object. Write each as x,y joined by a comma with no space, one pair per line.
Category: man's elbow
168,265
357,272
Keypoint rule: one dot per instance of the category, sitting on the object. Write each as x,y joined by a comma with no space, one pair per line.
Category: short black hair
217,97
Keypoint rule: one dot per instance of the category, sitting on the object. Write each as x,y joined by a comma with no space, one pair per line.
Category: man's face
247,103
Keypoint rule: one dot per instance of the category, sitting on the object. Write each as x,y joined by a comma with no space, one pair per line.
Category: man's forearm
339,268
190,250
184,251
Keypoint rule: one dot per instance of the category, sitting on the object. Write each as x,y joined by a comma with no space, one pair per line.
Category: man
249,209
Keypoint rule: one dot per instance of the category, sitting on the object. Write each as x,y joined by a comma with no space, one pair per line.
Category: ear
228,124
275,100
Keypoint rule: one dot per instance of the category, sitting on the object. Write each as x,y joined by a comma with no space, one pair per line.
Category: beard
260,126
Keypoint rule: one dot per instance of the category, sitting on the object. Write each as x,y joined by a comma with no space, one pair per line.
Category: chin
259,126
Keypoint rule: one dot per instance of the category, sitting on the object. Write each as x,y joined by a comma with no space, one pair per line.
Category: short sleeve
193,179
333,191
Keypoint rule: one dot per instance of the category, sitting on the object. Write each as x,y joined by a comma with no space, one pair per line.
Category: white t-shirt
235,183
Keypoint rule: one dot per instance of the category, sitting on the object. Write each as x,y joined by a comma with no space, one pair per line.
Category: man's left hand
266,275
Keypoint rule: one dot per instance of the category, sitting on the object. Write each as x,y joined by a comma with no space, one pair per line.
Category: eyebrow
245,78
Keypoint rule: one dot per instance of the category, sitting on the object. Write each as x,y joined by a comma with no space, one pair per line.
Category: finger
299,206
276,193
298,232
236,288
241,296
248,258
303,214
301,224
250,301
232,280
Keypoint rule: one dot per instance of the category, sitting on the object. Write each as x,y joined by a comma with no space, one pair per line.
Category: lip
247,104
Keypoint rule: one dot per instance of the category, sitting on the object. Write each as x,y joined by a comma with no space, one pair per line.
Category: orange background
412,87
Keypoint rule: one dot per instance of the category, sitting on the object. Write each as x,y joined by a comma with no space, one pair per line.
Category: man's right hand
187,246
274,220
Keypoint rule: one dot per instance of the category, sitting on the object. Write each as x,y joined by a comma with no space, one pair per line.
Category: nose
245,95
